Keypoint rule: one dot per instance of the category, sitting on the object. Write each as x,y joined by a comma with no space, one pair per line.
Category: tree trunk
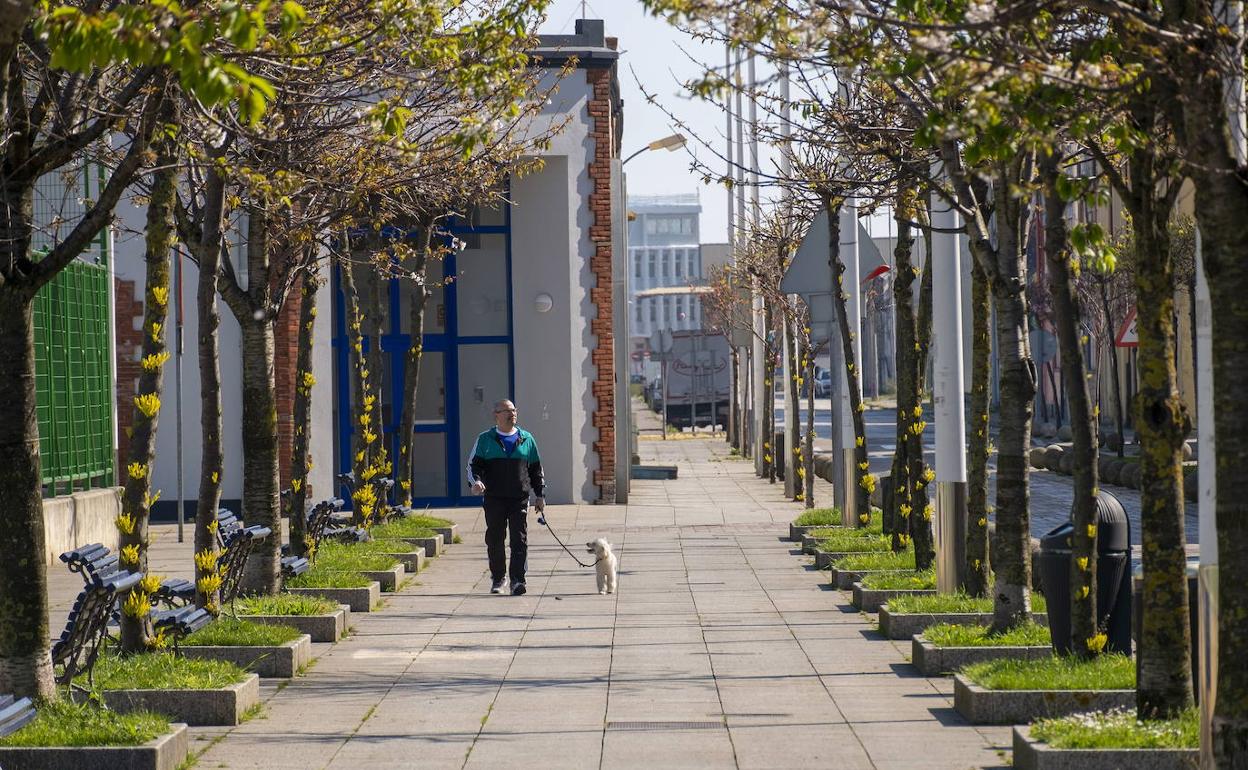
372,285
978,578
808,448
137,498
792,463
300,460
772,457
1012,589
897,509
212,460
261,498
25,663
920,519
1085,637
363,402
862,467
1113,365
411,379
1163,662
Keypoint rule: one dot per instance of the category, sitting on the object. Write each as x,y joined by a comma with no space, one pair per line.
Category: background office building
665,269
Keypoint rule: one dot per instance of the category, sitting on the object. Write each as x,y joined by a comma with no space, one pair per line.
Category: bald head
504,415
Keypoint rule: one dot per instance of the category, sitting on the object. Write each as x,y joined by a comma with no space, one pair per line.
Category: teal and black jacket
507,475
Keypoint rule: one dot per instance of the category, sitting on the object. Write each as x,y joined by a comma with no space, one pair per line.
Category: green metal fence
73,364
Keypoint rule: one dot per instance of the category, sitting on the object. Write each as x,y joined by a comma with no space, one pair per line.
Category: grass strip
1104,672
163,671
900,581
400,529
1119,729
938,604
859,544
951,635
872,561
381,545
819,517
336,556
319,577
285,604
235,632
63,723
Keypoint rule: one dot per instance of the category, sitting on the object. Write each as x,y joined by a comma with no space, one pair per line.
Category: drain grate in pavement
665,725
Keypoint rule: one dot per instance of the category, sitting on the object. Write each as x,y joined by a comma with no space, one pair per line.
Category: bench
383,486
15,714
95,560
87,626
237,541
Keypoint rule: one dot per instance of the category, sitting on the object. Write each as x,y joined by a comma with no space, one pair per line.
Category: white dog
605,564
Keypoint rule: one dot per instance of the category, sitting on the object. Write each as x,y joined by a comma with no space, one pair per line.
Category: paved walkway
720,650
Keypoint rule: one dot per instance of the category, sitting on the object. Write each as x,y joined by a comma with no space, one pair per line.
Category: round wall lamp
543,303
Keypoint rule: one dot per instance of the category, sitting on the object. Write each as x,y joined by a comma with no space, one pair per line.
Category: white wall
129,266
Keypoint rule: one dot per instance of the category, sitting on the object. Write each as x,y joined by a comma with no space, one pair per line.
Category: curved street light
670,143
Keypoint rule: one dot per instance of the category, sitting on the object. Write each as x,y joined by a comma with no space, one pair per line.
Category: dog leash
541,519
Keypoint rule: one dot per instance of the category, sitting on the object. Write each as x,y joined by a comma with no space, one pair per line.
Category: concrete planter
433,547
322,628
166,752
448,534
363,599
981,706
932,660
871,599
387,579
194,707
808,544
824,559
903,625
1030,754
282,661
796,533
413,561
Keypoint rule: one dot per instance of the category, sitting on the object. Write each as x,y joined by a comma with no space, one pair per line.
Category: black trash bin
1113,577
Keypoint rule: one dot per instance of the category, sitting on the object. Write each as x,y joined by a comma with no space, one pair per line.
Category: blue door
467,362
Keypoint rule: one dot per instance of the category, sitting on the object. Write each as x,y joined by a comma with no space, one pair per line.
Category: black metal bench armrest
15,714
175,590
295,565
180,622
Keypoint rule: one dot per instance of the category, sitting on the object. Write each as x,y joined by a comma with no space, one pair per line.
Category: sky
659,55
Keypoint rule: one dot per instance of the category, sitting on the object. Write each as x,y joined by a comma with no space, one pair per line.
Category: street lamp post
670,143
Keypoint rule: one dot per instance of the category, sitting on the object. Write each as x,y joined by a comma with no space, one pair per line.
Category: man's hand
539,504
477,487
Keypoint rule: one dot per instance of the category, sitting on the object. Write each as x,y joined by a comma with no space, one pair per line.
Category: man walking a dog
504,467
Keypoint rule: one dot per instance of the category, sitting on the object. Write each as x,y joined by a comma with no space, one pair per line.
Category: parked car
654,394
823,383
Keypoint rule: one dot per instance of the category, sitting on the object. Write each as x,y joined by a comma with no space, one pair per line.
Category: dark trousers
503,514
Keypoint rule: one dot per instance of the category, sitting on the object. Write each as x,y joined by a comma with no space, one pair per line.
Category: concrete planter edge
165,752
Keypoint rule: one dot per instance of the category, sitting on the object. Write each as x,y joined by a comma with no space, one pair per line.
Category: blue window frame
395,344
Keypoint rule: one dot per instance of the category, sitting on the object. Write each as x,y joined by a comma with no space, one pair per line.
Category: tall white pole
1230,13
177,387
949,522
850,287
733,424
792,485
763,397
745,359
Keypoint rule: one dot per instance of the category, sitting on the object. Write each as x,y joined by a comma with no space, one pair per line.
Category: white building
664,262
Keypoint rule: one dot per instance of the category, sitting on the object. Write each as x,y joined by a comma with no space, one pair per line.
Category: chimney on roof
592,30
613,43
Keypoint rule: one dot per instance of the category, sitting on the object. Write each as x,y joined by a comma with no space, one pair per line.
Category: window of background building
653,256
636,264
678,260
686,225
651,303
651,226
